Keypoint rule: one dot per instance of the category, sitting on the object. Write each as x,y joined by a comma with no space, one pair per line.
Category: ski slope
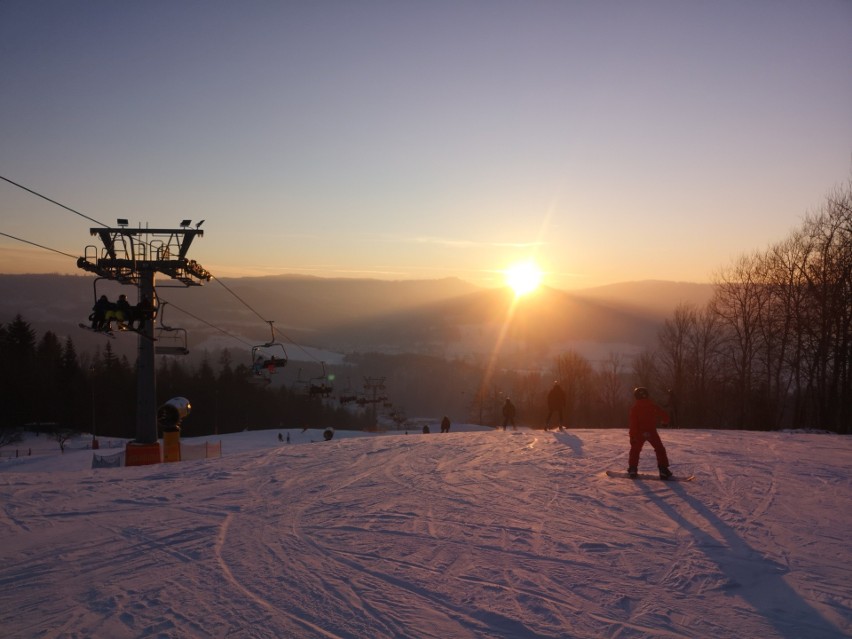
472,534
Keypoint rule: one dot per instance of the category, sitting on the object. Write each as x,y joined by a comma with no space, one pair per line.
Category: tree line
48,386
773,348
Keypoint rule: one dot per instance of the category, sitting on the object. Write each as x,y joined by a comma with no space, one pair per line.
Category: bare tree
784,324
9,435
829,328
737,302
613,391
646,369
706,393
675,339
62,435
576,376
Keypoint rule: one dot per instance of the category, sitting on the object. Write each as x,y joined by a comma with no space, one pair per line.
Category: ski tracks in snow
489,535
499,538
455,520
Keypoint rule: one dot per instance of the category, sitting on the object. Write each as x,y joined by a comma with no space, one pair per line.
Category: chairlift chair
170,340
320,385
347,395
110,314
267,358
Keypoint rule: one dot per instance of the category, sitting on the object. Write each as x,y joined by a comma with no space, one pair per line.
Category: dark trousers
637,441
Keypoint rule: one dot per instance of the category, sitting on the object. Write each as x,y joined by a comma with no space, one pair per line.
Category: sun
523,277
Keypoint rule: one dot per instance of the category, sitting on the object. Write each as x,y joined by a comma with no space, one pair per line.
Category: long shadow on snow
759,578
572,441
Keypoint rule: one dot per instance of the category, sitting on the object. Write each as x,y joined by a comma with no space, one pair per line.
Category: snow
472,534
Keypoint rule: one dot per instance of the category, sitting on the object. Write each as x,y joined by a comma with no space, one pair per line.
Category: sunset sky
608,141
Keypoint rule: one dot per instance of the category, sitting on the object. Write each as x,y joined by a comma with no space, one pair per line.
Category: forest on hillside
772,349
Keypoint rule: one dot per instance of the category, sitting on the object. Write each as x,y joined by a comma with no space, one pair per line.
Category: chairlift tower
372,385
134,256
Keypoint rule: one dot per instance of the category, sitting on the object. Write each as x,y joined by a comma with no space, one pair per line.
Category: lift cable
91,219
74,257
203,321
244,303
44,197
46,248
271,325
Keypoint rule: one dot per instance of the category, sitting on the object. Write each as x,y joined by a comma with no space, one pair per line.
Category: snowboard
623,475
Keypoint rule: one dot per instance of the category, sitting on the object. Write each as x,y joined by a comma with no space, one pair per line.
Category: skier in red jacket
644,415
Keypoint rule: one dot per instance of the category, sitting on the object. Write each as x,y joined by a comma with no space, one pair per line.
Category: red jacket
644,415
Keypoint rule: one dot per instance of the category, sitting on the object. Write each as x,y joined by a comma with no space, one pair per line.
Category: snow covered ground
474,534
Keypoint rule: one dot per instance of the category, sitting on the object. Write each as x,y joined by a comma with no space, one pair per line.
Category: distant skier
555,404
509,414
445,424
643,418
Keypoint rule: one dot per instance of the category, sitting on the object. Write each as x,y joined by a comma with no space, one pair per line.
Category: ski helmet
640,392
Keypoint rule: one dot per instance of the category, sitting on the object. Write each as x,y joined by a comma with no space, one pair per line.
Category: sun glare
523,277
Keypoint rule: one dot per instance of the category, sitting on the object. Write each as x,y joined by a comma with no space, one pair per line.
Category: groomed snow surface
472,534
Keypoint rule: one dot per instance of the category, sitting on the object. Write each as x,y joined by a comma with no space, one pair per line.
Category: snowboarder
509,414
555,404
643,428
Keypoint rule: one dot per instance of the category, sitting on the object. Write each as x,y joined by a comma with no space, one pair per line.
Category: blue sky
609,141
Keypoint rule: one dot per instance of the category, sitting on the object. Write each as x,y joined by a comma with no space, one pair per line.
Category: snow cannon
172,413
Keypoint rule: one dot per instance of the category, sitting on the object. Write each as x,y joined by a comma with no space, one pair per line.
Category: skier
555,403
509,414
445,424
643,427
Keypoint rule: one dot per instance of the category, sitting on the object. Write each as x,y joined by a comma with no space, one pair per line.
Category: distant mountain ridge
446,316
